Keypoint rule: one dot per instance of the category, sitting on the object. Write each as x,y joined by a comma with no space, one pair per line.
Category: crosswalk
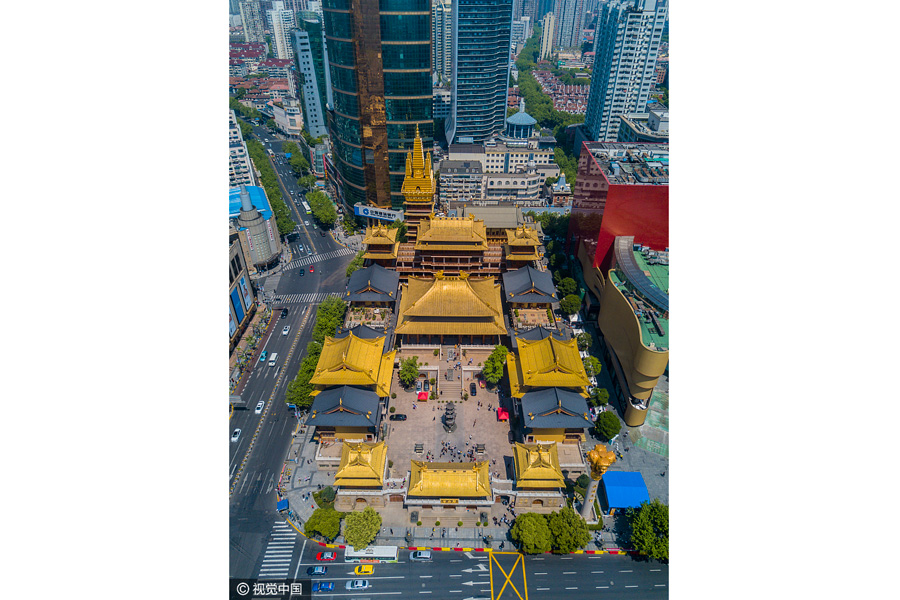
306,260
279,552
304,298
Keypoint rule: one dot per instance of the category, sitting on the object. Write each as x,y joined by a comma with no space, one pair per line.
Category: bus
372,554
306,207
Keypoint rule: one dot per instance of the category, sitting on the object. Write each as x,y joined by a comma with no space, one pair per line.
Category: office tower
234,7
541,8
379,54
252,18
441,41
481,40
312,65
282,21
568,17
548,31
626,46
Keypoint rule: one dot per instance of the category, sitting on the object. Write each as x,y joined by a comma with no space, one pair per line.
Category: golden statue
600,460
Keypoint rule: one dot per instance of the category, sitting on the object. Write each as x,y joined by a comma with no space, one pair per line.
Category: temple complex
418,188
354,361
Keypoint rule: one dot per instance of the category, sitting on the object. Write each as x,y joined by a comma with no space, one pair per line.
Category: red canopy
502,414
423,395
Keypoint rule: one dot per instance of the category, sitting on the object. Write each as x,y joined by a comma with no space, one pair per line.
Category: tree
356,263
592,366
567,287
298,163
570,304
271,124
409,370
401,235
246,130
584,340
600,397
568,530
324,521
329,316
608,424
307,181
532,533
290,148
322,208
493,366
360,528
650,529
299,389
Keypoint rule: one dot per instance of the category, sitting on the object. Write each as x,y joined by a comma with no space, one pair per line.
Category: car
284,312
323,586
302,272
358,584
420,556
418,385
312,269
286,330
306,223
481,383
427,386
320,570
472,389
262,357
300,247
260,406
398,417
326,556
235,435
364,570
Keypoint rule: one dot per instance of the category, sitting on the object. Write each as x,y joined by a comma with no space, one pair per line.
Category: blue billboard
238,308
245,291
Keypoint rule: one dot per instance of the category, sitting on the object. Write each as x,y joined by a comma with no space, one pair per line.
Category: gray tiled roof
553,408
529,285
373,284
346,406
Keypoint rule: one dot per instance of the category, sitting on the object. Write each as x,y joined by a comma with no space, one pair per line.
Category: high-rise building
234,7
521,30
569,15
627,43
282,21
311,62
240,172
252,18
541,8
379,54
441,39
548,31
481,41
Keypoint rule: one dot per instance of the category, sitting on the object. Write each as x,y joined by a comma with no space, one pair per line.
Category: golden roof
451,305
546,363
380,234
449,480
374,254
522,236
537,466
355,361
418,185
451,233
532,255
362,465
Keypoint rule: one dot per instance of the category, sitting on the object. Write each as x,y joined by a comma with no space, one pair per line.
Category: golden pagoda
546,363
352,360
452,233
537,466
418,188
362,465
449,481
381,245
522,246
463,309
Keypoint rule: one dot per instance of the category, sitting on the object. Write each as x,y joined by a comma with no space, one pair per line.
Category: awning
282,505
502,414
423,395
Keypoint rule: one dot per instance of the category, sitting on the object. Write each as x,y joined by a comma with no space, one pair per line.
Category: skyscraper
312,65
568,16
627,43
379,54
282,21
548,32
252,19
441,40
481,40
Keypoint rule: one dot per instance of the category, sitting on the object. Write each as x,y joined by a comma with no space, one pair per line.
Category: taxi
364,570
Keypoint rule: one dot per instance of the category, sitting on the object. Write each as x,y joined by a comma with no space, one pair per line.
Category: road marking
596,571
542,589
455,591
425,576
626,571
539,573
425,592
456,576
539,558
569,572
630,586
659,585
602,587
654,570
566,558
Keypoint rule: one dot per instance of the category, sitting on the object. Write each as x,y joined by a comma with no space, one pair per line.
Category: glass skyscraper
380,62
311,63
482,32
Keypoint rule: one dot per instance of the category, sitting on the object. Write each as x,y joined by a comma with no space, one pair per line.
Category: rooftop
642,275
345,406
554,408
355,361
632,164
362,464
460,167
257,197
373,284
537,466
440,479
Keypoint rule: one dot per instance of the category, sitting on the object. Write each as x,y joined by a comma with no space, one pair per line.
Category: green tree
271,124
583,480
650,529
329,316
532,533
600,397
322,208
298,163
567,287
324,521
246,130
401,225
409,370
592,366
356,263
570,304
360,528
608,424
568,530
493,366
307,181
584,340
290,148
299,389
269,181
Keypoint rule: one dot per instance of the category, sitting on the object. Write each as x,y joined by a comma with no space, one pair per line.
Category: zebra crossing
301,262
279,552
305,298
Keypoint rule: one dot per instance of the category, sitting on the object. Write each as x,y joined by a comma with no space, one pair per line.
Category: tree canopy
493,365
608,424
356,263
567,287
600,397
322,208
269,181
329,316
570,304
650,529
568,530
324,521
299,389
532,533
360,528
592,366
401,235
584,339
409,370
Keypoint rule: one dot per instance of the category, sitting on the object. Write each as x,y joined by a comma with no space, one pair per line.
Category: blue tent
282,505
624,489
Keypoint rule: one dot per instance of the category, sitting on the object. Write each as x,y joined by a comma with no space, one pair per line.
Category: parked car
235,435
326,556
358,584
364,570
323,586
420,556
260,405
320,570
262,357
418,385
481,383
398,417
427,386
473,389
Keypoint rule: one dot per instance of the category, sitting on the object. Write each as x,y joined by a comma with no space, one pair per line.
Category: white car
358,584
306,223
236,435
286,329
260,406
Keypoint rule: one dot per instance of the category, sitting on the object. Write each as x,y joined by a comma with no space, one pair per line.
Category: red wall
638,210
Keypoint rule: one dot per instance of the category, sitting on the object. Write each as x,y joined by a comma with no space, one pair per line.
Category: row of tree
329,316
360,528
561,532
322,208
356,263
493,365
269,182
245,111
